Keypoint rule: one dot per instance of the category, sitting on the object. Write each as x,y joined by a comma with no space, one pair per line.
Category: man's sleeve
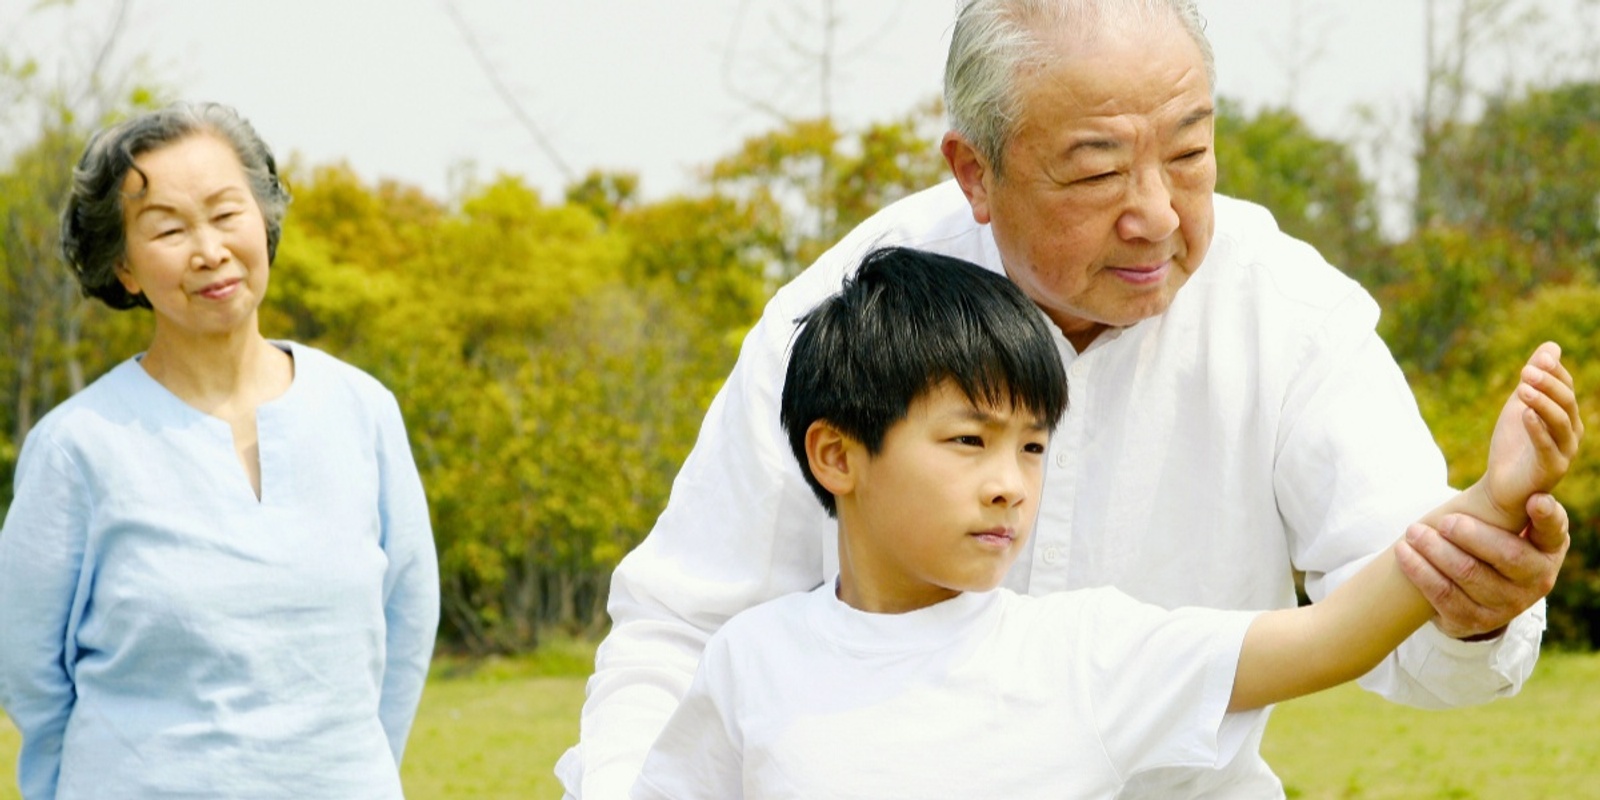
741,527
698,753
1356,465
41,560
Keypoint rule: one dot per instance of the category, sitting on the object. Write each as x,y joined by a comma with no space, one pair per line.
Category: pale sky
653,86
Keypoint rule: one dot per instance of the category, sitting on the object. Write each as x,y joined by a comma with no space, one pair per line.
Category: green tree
1531,166
1313,186
552,361
1444,280
807,183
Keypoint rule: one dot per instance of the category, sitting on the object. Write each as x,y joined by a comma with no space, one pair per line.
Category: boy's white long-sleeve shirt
1258,426
988,694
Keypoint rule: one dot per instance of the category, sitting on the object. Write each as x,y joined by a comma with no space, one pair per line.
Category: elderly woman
217,578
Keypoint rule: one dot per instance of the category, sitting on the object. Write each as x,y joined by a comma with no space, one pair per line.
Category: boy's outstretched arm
1292,652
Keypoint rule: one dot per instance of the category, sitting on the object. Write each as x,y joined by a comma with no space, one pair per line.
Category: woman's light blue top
164,633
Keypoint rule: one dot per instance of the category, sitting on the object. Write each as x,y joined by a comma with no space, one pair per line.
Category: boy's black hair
905,323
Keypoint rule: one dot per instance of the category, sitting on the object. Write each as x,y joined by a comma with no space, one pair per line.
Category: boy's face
944,507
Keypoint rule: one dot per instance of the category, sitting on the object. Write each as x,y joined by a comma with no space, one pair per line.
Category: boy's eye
969,440
1036,448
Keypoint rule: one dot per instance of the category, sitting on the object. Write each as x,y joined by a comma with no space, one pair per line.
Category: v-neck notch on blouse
273,455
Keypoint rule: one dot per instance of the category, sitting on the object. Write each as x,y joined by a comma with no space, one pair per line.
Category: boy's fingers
1551,454
1549,424
1555,401
1554,366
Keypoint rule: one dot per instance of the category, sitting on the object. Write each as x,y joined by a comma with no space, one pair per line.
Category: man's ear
971,170
828,451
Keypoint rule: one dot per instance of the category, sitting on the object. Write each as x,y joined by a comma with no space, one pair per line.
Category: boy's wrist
1479,504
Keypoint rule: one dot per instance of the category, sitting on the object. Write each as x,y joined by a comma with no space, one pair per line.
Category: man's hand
1478,577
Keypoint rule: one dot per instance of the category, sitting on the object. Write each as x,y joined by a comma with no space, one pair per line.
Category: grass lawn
495,730
1543,743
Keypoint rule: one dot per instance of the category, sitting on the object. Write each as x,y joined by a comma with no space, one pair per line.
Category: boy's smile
944,506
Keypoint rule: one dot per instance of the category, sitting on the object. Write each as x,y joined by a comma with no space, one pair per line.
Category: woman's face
196,240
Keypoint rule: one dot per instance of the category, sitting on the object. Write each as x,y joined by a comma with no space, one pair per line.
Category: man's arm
1288,653
1356,464
741,527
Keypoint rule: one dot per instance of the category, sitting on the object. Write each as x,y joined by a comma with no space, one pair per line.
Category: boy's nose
1008,486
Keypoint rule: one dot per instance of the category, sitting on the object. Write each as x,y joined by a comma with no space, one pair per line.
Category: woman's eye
1192,154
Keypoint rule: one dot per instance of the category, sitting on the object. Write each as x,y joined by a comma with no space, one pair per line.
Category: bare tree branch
506,95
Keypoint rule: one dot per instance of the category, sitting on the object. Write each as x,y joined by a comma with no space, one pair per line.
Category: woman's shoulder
78,426
325,371
109,398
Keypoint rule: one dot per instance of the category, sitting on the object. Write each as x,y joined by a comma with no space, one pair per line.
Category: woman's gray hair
93,239
994,40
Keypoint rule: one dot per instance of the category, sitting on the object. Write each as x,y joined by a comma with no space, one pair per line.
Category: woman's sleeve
411,585
41,563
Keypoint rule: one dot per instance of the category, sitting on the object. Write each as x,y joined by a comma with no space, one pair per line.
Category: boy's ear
828,451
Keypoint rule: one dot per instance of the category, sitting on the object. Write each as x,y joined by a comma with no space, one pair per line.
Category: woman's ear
828,451
125,277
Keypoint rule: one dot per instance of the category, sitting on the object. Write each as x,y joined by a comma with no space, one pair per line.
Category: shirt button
1052,555
1061,458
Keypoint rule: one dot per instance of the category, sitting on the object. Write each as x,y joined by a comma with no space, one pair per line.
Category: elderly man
1233,415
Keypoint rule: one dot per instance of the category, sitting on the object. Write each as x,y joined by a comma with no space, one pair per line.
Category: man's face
1105,207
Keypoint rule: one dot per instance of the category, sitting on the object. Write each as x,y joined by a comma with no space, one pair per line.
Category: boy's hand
1535,439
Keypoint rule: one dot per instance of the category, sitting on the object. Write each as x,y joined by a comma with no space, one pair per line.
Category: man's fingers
1469,554
1457,615
1547,526
1429,581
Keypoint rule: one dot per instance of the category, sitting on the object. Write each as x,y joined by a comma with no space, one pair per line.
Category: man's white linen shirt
1258,426
988,694
166,633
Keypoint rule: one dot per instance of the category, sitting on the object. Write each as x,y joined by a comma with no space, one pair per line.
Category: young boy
919,402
